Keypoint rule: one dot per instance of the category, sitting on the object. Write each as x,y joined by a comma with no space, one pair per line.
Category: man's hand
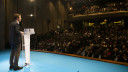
22,33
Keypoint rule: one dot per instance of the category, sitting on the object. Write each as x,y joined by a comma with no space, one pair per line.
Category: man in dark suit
15,42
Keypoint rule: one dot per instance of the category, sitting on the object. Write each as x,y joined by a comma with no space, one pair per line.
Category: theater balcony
98,16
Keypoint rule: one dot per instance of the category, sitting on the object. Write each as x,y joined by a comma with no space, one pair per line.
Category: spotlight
70,8
31,15
32,0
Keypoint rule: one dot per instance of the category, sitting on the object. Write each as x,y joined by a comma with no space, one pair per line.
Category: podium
26,44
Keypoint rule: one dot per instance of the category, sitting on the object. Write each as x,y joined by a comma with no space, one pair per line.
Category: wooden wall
2,25
47,14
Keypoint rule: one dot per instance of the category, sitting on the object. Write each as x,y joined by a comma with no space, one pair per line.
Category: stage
48,62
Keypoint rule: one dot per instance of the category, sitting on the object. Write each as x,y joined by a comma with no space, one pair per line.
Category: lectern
26,44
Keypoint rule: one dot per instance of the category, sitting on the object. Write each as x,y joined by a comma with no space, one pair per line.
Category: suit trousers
15,53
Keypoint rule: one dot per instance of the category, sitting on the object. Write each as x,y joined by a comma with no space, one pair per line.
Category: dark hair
16,15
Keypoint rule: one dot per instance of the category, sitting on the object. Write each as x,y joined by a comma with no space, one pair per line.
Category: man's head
17,17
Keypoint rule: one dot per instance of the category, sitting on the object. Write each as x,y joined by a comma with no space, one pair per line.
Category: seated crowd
103,42
121,6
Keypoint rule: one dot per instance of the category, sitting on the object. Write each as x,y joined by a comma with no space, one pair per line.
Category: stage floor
48,62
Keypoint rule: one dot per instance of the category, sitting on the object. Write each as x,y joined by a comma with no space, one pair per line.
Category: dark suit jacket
14,33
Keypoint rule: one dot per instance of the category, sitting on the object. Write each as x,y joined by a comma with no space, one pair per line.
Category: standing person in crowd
15,42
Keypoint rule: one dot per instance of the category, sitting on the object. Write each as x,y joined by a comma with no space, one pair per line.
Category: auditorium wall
2,25
47,14
42,15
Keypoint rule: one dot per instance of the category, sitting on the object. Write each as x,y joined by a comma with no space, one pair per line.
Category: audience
103,42
120,6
